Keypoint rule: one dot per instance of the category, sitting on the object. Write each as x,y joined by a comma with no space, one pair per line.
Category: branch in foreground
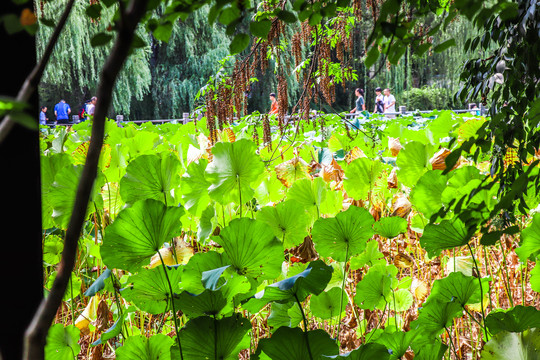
31,83
36,333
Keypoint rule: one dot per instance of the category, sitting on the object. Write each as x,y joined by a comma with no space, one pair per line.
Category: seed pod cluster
225,108
267,134
283,101
211,115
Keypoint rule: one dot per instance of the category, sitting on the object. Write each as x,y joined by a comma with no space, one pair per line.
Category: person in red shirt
274,107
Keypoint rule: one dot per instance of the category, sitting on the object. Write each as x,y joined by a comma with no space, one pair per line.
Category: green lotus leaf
446,235
361,176
434,350
344,235
413,162
397,341
288,221
99,284
310,194
62,342
288,314
426,194
375,289
143,348
510,345
252,248
206,303
370,256
113,331
208,338
433,319
138,233
456,287
207,223
50,166
313,280
369,351
149,289
530,240
194,187
290,343
52,250
270,190
326,305
233,172
197,265
151,177
516,319
61,195
73,287
390,226
402,300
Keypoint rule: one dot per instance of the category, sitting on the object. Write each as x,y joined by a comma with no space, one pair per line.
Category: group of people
62,111
384,104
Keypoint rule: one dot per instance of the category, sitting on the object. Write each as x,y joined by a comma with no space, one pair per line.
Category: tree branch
36,333
32,81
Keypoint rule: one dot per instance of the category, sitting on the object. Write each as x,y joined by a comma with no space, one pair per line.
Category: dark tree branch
36,333
32,81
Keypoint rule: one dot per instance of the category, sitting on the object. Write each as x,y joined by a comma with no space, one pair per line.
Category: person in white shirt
389,102
91,106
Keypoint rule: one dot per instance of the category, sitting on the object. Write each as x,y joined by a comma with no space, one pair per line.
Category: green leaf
530,240
113,331
194,187
456,287
197,265
402,300
260,28
207,338
100,39
445,45
143,348
73,287
239,43
310,194
432,350
94,11
24,119
433,319
446,235
360,177
233,172
313,280
290,344
62,342
397,342
375,289
252,248
326,304
138,233
371,56
413,162
370,256
151,177
288,314
286,16
99,284
369,351
149,289
207,223
426,194
288,221
516,319
390,226
62,195
344,235
509,345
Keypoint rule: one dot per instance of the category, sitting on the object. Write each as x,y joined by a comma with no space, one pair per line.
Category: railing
187,117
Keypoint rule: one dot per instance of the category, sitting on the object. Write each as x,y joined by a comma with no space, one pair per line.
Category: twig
31,82
36,334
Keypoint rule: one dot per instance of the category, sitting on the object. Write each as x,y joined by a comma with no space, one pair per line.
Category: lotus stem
481,292
305,326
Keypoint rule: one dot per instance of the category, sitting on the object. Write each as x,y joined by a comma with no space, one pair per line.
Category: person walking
43,116
91,108
274,107
389,102
379,103
62,111
360,103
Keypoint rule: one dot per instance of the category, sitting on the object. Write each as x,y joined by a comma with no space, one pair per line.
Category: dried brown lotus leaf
419,289
102,320
376,212
332,172
290,171
403,260
437,161
392,179
401,206
354,154
394,145
228,135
